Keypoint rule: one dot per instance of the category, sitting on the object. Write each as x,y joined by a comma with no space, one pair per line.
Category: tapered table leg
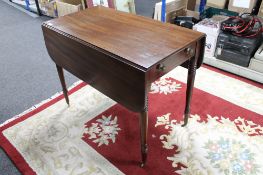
144,132
190,83
63,83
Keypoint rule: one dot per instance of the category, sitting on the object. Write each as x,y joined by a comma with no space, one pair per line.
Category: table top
137,40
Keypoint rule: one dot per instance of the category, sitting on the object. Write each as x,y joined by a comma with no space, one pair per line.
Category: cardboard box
182,12
173,7
211,29
192,13
65,7
242,6
48,8
105,3
216,3
125,6
171,15
191,5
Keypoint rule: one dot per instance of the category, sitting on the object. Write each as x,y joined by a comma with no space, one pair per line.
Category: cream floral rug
95,135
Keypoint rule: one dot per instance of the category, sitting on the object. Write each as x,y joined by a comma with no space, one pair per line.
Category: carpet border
10,150
18,159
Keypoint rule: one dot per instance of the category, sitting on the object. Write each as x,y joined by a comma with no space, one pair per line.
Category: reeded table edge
117,57
95,47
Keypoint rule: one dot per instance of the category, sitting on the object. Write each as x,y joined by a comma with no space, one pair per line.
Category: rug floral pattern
216,146
104,130
165,86
54,136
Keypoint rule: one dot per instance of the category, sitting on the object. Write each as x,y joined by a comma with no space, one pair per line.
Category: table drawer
171,62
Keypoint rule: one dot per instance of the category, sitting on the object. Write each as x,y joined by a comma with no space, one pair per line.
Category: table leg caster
186,116
144,155
144,129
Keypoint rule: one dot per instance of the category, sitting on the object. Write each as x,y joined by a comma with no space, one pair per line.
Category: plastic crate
211,11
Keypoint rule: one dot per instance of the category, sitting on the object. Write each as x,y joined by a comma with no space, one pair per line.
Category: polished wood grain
139,40
121,54
190,82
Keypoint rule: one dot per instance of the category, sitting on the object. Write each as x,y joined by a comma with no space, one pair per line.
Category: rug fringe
39,104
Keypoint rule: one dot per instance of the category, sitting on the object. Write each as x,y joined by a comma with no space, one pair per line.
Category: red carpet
226,129
125,153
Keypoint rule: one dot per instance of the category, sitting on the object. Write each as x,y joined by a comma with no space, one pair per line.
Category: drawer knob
161,67
189,52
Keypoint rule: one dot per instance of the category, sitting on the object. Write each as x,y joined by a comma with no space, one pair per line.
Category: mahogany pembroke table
121,54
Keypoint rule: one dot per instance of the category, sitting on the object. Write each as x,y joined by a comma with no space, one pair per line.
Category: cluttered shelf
233,29
57,8
235,69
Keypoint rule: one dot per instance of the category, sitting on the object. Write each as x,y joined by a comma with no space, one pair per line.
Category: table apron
120,81
172,62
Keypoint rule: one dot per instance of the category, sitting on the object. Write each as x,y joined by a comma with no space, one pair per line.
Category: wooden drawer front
171,62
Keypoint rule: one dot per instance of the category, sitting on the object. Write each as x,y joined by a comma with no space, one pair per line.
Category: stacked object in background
256,63
173,9
232,47
65,7
239,39
236,49
57,8
211,28
242,6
